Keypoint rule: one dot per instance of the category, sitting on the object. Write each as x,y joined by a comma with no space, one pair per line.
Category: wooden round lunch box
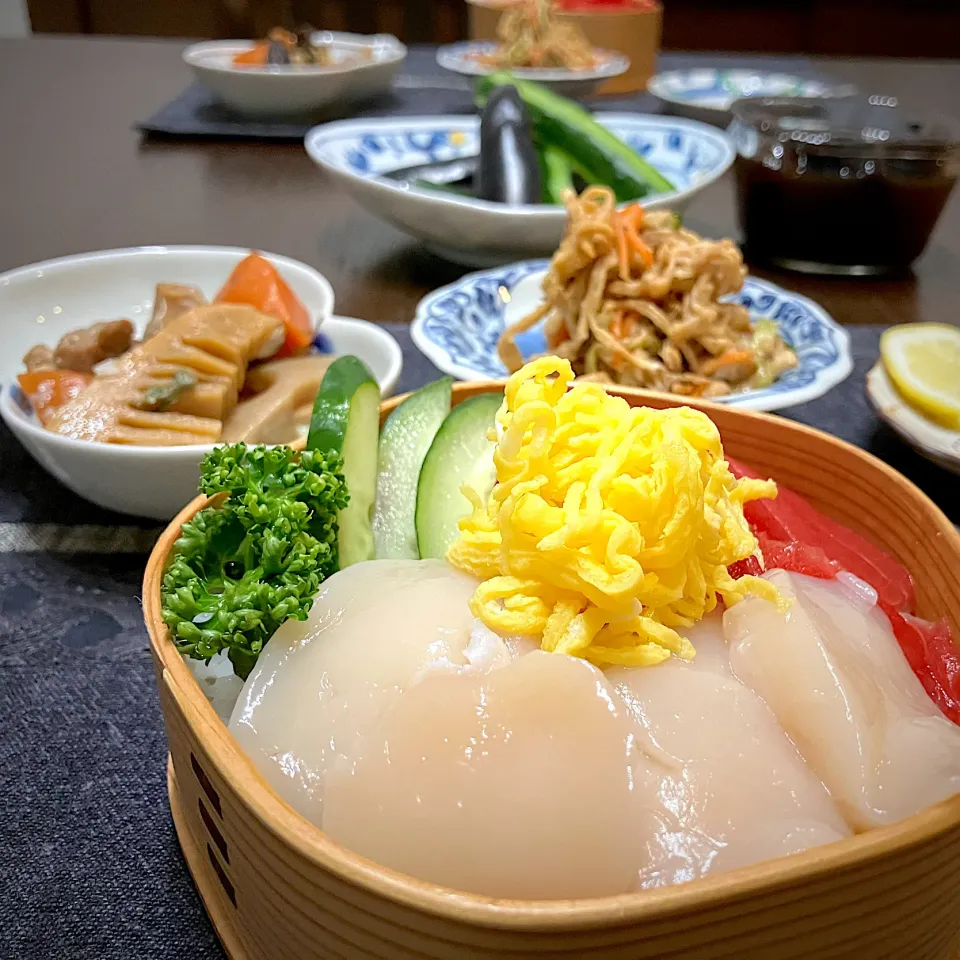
276,887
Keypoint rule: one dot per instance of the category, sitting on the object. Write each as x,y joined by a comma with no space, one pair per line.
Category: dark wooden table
86,842
75,176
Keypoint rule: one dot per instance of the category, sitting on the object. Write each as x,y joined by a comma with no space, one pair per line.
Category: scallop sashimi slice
319,685
522,783
832,671
738,789
713,652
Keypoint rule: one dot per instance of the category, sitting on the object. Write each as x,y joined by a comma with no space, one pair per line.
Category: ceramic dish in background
276,887
707,93
360,154
462,58
929,439
41,302
288,89
458,327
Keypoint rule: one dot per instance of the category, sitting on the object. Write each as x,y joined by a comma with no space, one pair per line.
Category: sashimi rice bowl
546,645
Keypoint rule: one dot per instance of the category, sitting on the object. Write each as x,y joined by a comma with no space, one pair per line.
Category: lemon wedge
923,361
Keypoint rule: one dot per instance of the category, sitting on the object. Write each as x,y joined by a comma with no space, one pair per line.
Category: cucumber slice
346,418
404,442
597,154
461,453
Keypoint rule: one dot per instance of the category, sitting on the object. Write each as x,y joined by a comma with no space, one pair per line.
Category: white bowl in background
360,153
41,302
462,58
286,89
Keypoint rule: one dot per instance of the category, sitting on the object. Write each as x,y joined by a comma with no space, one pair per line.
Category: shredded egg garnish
609,526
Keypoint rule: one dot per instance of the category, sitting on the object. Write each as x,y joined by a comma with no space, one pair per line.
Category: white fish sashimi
736,787
320,685
523,783
834,675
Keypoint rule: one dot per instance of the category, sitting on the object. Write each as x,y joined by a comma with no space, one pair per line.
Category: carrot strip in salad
627,224
623,256
256,281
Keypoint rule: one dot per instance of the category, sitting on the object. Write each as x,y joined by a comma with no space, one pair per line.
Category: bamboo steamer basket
276,887
635,33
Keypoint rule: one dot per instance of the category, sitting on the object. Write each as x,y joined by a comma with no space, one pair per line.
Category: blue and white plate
458,327
712,89
360,153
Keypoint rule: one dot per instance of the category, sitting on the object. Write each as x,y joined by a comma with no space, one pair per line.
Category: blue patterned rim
458,327
688,153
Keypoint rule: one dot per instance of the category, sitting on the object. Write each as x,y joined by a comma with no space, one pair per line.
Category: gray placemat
89,863
422,88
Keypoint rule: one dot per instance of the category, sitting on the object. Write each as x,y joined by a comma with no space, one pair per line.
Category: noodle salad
531,36
632,297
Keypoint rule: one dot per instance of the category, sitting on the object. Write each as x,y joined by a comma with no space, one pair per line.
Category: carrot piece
732,355
634,215
256,281
633,218
623,255
559,336
49,389
643,251
256,56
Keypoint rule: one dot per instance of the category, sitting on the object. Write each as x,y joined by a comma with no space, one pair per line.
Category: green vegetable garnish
243,567
164,395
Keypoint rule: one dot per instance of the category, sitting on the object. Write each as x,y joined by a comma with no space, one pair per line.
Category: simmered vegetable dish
240,368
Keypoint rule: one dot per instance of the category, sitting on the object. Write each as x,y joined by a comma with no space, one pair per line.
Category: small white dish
41,302
709,92
458,327
931,440
361,153
462,58
285,90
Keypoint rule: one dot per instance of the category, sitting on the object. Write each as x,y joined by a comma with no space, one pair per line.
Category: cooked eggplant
509,171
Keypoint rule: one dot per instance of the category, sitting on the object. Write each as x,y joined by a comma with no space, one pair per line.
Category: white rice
220,684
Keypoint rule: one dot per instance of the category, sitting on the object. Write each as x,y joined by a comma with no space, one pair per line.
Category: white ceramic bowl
359,154
282,90
462,58
41,302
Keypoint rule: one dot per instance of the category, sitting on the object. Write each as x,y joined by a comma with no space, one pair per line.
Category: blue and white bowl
359,154
458,326
709,92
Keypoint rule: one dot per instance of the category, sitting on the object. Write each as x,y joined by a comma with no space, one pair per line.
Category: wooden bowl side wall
635,33
278,888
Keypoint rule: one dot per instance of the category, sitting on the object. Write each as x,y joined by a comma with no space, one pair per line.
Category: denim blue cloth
89,864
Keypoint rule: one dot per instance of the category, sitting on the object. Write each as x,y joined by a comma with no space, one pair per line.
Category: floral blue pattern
711,88
683,153
458,328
